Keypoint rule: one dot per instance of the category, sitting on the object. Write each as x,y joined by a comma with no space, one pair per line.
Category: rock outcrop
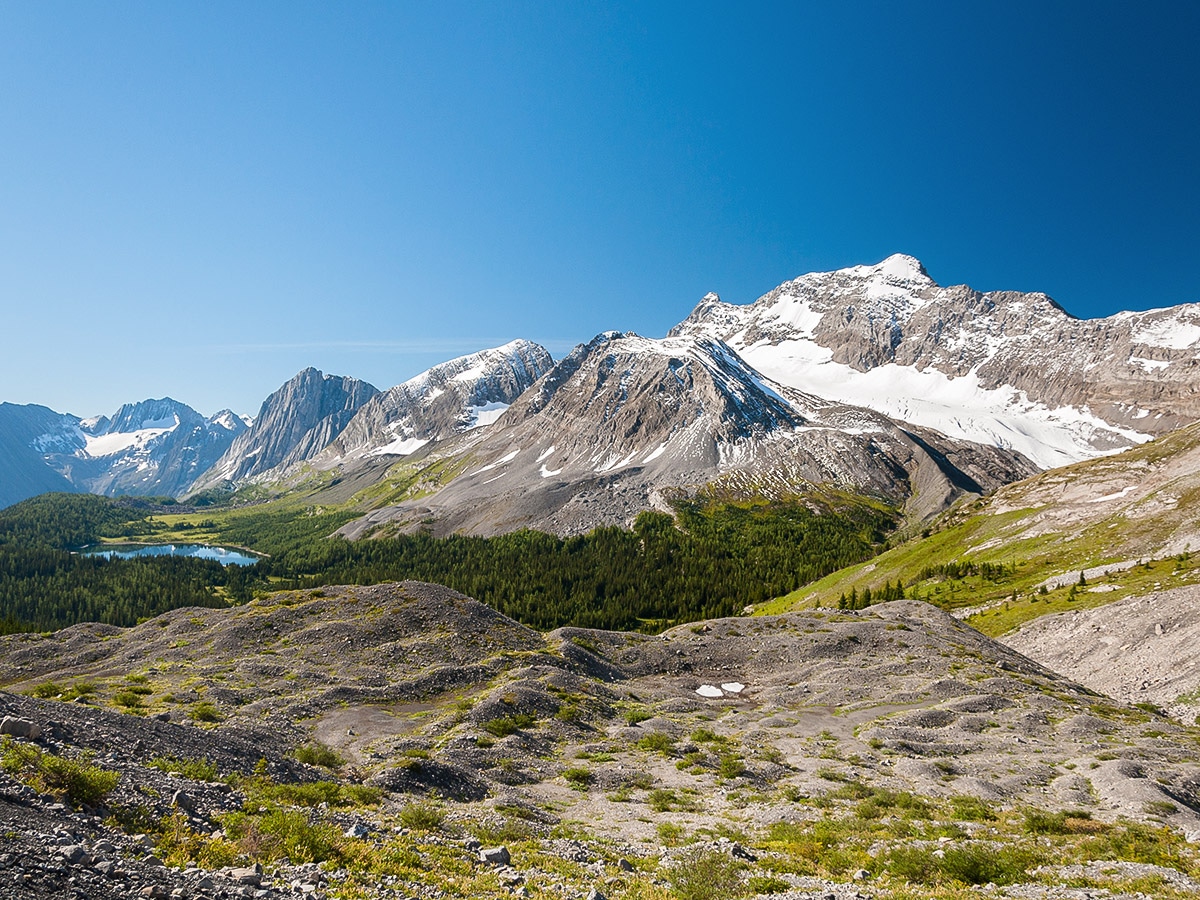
448,399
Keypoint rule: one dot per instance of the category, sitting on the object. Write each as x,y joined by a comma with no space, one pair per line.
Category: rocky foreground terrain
406,741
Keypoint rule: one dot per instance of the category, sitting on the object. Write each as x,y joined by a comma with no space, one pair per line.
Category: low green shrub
317,754
707,875
578,777
276,835
657,741
731,766
666,800
52,690
506,725
195,769
1133,842
510,831
883,802
75,781
671,834
637,714
768,884
128,699
311,793
971,809
1040,822
422,816
204,712
972,864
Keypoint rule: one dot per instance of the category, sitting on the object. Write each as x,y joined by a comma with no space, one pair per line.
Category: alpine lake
226,556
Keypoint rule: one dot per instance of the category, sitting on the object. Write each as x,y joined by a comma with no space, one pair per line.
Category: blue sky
198,200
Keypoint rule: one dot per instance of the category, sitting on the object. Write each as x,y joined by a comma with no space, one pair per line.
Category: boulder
18,727
495,856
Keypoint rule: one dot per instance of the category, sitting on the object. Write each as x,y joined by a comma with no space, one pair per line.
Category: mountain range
872,378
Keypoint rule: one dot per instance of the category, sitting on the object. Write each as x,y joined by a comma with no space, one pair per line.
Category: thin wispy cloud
426,345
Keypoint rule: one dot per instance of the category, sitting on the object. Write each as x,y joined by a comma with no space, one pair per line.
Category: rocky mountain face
1001,367
294,424
621,418
25,432
149,448
773,393
446,400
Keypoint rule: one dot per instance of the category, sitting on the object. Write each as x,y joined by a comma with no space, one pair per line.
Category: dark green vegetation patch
711,559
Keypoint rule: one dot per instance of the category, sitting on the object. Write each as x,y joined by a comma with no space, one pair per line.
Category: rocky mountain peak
164,413
230,421
453,397
1002,367
294,424
671,382
899,267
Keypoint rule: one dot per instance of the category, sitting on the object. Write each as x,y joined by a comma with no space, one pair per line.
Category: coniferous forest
709,559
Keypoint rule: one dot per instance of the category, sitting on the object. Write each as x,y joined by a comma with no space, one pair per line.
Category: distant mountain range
873,379
156,447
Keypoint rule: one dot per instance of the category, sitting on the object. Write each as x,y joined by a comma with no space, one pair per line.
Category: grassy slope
312,505
1050,525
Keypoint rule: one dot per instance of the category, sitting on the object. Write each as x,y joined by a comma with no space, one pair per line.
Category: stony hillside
1119,530
624,419
812,754
1140,649
998,367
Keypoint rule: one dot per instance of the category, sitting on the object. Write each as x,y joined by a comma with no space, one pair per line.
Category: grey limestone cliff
448,399
294,424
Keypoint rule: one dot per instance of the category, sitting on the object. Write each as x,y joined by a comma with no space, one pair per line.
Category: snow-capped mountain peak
1010,369
624,416
150,447
230,421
